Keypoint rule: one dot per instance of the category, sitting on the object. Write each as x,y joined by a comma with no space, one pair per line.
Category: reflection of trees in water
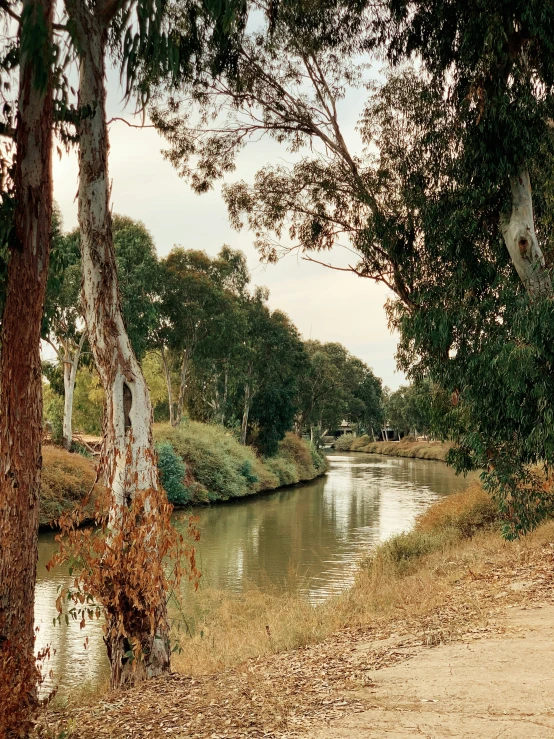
305,539
69,661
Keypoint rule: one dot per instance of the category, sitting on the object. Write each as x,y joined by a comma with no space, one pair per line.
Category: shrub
358,442
318,460
172,474
467,512
285,470
247,471
214,458
296,450
344,443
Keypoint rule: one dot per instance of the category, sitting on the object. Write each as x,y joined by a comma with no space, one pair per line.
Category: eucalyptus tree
63,327
135,31
489,343
192,307
63,323
275,362
26,227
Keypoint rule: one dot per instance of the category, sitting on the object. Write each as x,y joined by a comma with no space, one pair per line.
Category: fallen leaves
283,695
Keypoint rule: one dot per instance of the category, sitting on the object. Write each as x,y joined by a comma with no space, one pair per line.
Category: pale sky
324,304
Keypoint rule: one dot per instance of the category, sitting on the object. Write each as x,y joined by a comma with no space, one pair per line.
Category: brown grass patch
410,574
66,480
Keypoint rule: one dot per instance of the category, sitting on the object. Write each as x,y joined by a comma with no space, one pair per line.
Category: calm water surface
307,538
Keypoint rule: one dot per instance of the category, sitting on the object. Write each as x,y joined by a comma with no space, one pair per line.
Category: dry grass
222,630
408,575
66,479
412,449
458,588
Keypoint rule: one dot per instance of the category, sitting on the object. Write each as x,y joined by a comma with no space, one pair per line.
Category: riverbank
451,582
198,464
412,449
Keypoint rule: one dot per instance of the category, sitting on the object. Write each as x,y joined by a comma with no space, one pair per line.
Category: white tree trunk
131,459
520,237
70,367
167,375
182,388
246,413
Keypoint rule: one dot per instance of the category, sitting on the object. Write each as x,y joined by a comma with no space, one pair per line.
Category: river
308,538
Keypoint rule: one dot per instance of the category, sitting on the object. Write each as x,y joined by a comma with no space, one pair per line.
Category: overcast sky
324,304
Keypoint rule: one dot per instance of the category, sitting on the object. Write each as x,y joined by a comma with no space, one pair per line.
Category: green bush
214,458
172,474
318,460
247,471
219,468
284,470
343,443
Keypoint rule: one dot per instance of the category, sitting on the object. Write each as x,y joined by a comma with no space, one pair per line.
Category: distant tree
277,361
337,387
137,269
63,325
192,310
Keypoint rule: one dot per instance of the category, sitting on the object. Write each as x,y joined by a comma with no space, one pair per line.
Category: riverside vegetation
198,463
405,448
418,585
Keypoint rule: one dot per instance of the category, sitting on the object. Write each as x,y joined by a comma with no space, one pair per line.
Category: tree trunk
167,375
521,239
225,394
70,367
182,387
21,380
244,426
131,460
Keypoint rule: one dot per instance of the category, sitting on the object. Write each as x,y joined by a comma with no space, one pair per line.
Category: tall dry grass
436,450
409,575
66,481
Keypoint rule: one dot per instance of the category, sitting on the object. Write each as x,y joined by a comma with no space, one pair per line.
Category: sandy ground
500,686
480,665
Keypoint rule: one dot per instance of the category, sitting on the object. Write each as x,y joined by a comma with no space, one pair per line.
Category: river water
308,538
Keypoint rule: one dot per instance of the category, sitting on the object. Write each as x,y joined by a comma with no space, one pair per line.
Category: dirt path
480,664
501,686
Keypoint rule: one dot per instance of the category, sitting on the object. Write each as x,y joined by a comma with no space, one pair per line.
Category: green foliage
220,468
172,474
137,269
338,386
213,457
412,408
52,411
246,471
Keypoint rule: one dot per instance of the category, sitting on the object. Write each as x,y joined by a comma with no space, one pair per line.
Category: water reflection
307,538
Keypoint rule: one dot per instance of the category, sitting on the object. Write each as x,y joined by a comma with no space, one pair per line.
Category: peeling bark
520,237
70,367
21,388
130,459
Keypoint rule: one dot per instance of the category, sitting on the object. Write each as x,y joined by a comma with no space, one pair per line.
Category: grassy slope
413,449
407,574
217,468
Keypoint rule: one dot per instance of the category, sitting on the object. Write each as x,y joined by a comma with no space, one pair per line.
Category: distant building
346,428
